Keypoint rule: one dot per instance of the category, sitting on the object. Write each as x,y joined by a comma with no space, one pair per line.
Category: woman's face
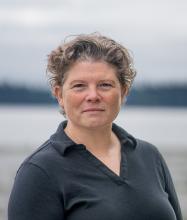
91,94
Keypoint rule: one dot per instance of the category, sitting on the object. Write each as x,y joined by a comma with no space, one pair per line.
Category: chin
96,123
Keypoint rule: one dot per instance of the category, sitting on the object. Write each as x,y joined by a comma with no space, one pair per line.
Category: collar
62,143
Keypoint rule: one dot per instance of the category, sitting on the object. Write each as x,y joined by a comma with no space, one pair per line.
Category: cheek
114,100
72,100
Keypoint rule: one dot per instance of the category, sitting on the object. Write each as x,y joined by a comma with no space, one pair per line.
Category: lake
24,128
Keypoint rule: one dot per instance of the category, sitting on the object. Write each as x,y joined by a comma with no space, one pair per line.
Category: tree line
160,95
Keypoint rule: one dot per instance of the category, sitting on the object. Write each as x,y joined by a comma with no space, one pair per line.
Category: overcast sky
154,30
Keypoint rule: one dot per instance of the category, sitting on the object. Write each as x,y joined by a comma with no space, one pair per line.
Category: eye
105,85
78,86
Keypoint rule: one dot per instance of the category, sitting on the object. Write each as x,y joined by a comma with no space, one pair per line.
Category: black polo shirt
63,180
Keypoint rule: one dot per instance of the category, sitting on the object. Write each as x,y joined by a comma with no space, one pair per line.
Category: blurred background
155,31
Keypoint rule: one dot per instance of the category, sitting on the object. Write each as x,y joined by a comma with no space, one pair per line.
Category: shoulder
149,152
45,158
139,148
146,146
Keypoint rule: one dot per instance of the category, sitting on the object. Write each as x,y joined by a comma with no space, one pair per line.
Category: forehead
91,70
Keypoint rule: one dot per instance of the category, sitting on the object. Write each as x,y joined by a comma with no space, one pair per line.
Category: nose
93,95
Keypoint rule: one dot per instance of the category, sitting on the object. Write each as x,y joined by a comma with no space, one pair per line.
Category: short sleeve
169,188
34,196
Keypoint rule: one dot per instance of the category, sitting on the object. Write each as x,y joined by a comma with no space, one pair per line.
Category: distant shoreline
159,95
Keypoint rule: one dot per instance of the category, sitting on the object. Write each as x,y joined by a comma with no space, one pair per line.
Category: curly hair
94,47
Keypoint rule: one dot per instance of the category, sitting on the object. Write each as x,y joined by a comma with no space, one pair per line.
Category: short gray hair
90,46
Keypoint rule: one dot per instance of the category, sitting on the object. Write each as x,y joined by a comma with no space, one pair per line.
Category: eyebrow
107,80
77,81
84,81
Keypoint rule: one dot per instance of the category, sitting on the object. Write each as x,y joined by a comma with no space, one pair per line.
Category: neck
99,140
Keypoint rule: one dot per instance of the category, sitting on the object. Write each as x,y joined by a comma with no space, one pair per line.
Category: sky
155,32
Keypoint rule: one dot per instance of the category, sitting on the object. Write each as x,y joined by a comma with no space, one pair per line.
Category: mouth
93,110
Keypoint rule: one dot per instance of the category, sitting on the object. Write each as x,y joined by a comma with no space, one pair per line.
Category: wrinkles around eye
79,85
105,85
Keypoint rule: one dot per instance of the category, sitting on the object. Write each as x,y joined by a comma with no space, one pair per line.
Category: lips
93,110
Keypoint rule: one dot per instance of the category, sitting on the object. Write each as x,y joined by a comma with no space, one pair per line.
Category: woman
91,168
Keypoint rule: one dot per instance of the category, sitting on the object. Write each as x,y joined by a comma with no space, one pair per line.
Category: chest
112,160
93,190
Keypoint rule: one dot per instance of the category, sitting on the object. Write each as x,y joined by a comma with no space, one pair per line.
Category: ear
124,93
57,92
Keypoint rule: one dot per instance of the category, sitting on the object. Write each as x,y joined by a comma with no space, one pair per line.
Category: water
28,126
24,128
